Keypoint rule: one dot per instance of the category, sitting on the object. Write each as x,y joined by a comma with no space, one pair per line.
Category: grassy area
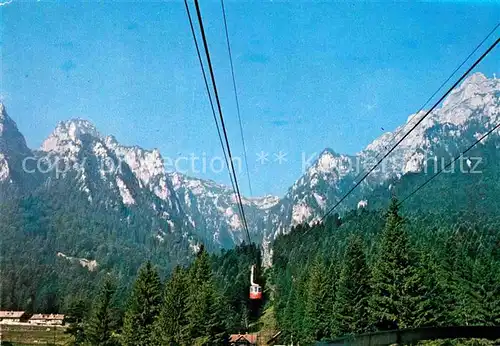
19,335
265,326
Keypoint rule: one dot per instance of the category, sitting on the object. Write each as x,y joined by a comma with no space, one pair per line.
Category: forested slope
433,260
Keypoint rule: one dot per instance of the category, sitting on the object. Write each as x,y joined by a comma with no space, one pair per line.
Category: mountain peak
475,78
329,160
69,131
473,86
78,126
2,112
328,152
8,127
5,121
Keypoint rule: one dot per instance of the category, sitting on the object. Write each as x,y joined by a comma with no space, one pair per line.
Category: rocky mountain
14,158
466,114
136,178
114,176
213,207
117,177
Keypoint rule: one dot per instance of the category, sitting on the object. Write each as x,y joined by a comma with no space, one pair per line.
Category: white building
47,319
7,317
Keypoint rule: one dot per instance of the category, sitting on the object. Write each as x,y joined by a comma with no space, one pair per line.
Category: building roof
53,317
11,314
251,338
274,338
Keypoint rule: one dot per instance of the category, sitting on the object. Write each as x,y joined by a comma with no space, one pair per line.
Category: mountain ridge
208,211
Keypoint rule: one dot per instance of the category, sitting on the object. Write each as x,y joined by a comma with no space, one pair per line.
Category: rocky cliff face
466,114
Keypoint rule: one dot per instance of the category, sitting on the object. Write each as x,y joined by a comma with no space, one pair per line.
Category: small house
243,339
47,319
7,317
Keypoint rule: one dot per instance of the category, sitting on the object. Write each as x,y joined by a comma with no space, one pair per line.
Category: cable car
255,289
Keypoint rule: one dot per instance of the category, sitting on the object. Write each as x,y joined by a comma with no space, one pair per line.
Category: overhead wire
236,97
464,75
442,85
402,128
210,100
449,164
219,107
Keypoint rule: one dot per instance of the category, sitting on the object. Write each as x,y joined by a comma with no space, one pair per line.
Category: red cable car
255,289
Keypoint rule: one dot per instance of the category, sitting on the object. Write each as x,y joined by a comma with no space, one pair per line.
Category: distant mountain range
112,177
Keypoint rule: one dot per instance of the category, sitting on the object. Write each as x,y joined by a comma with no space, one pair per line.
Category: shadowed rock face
13,153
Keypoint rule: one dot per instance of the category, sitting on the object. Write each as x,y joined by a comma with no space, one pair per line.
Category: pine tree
300,332
353,291
332,274
492,300
99,331
463,285
315,321
398,299
75,320
287,319
143,307
431,273
450,280
204,304
170,327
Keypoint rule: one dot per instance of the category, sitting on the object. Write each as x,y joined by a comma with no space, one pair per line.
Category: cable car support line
210,99
236,97
395,135
207,88
449,164
216,94
414,126
255,289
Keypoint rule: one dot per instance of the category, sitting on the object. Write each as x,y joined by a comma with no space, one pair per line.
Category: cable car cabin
255,289
255,292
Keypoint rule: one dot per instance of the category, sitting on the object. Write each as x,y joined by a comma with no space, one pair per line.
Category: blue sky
310,75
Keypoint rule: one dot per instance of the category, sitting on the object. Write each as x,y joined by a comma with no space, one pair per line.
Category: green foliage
74,318
171,326
386,271
204,304
100,328
143,308
353,291
232,274
398,300
316,305
59,218
437,264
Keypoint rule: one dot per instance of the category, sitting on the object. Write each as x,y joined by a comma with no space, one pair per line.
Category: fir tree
75,320
435,313
99,331
330,298
492,299
315,321
204,310
297,312
353,291
398,299
287,320
143,307
170,328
